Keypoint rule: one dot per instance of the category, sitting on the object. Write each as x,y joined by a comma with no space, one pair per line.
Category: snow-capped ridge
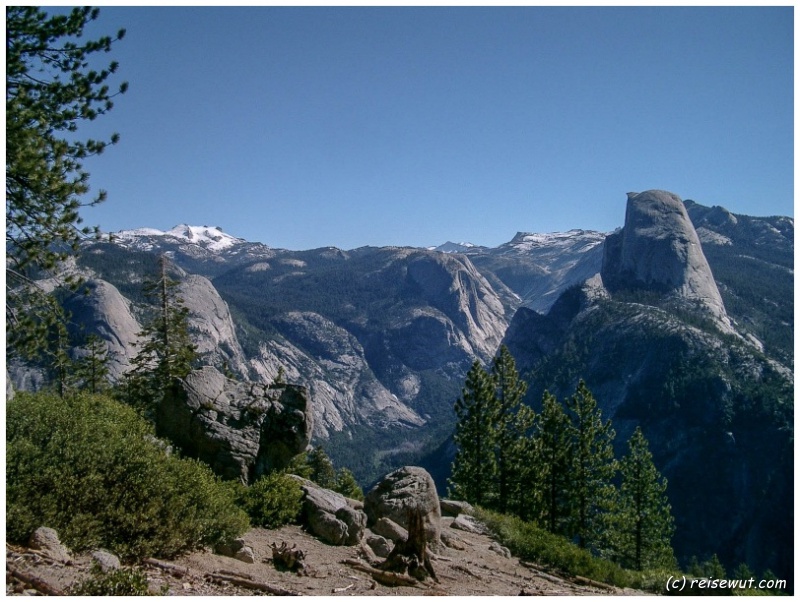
212,238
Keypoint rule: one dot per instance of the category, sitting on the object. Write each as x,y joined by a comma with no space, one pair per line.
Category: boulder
331,516
467,523
237,549
241,429
380,545
106,560
46,540
407,488
454,507
390,530
498,549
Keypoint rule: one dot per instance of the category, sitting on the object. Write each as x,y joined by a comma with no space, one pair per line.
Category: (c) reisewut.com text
679,584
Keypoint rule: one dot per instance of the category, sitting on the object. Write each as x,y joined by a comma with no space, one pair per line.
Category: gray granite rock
241,429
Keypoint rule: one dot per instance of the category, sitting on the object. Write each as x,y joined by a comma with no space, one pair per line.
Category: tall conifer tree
552,453
475,466
167,353
50,91
593,468
514,420
643,523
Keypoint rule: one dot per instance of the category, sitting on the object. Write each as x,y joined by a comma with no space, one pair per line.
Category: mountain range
681,321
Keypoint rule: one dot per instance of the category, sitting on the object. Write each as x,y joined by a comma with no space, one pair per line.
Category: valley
680,322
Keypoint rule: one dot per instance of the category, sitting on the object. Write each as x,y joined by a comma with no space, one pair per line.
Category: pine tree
514,420
643,524
167,352
91,370
50,91
591,490
347,485
551,463
322,471
474,468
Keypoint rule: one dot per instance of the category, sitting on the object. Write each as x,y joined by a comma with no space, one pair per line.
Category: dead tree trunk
411,556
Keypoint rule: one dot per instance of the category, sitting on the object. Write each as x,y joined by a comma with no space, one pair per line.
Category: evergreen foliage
322,471
50,92
642,522
91,370
318,467
91,468
347,485
514,421
166,352
591,492
119,582
273,500
551,457
474,467
561,470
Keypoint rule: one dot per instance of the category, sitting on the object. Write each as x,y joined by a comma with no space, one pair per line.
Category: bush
532,543
273,500
120,582
91,468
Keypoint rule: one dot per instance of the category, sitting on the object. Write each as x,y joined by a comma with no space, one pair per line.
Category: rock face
405,489
211,325
240,429
103,311
330,361
658,249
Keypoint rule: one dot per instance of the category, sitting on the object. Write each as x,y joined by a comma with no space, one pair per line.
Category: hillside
477,567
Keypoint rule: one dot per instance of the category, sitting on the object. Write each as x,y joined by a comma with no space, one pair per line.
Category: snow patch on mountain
211,238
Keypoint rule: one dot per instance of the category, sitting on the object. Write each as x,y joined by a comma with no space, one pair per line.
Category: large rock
658,250
241,429
46,540
405,489
330,516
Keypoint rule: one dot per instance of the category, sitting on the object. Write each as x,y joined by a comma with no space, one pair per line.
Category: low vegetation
91,468
272,501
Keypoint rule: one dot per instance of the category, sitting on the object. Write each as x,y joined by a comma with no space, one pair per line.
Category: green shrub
120,582
529,542
273,500
347,485
91,468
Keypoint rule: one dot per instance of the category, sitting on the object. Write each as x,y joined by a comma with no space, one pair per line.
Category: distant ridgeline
680,323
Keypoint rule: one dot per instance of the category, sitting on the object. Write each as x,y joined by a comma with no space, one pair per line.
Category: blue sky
310,127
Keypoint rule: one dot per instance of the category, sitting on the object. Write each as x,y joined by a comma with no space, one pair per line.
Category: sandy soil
473,565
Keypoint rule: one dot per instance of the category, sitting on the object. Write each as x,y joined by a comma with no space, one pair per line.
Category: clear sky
310,127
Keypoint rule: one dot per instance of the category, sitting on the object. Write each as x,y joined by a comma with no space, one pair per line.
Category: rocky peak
658,250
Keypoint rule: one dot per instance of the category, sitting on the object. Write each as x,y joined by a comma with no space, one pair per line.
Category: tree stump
288,559
411,556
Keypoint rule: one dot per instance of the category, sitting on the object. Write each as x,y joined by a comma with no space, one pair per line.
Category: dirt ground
479,568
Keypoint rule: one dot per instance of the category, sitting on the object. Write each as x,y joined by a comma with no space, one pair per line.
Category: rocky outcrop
405,489
241,429
100,309
658,250
330,516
